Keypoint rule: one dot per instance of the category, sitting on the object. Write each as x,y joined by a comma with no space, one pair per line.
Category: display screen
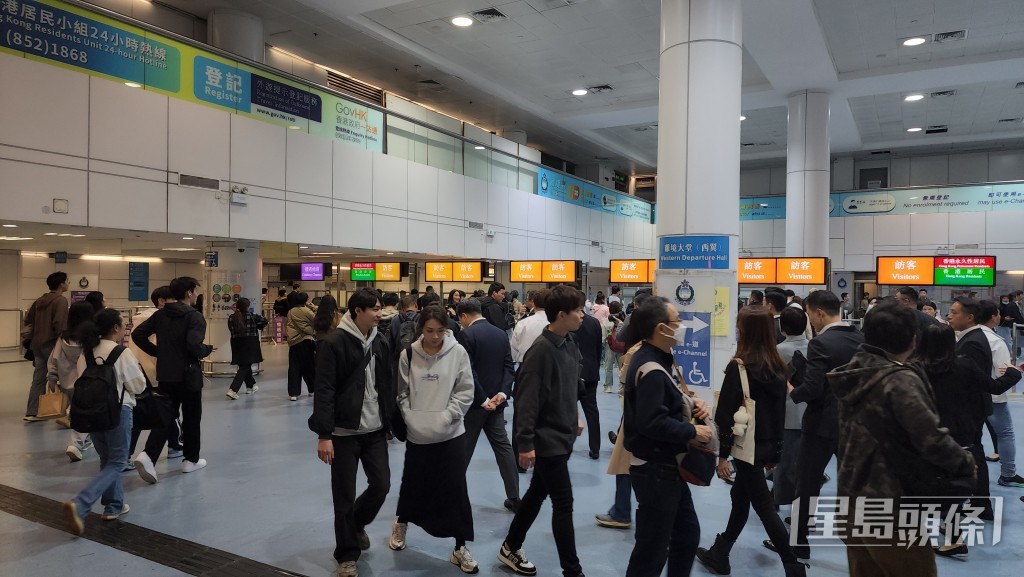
526,271
630,271
389,271
905,270
438,271
560,270
363,271
467,271
801,270
965,271
759,271
312,271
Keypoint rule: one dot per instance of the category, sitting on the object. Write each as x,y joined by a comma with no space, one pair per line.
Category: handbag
152,410
52,403
743,427
698,464
193,377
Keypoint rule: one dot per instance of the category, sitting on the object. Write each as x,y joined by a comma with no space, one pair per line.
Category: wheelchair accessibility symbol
695,376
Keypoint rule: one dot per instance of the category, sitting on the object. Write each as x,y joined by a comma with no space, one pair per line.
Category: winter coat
180,330
300,326
47,317
494,312
245,344
769,394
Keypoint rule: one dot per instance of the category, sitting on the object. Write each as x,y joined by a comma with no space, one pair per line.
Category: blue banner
551,184
693,252
138,281
693,355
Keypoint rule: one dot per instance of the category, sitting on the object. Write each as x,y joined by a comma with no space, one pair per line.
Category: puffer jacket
300,325
875,388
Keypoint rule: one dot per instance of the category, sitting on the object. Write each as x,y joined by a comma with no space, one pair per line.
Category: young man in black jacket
180,330
352,409
547,423
494,307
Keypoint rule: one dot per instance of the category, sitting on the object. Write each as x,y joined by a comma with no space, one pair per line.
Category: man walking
588,337
352,408
180,330
491,358
547,424
46,319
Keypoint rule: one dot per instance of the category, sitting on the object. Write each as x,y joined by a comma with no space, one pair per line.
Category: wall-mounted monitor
312,271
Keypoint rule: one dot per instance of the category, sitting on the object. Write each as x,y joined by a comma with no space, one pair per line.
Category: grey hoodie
369,417
434,392
63,363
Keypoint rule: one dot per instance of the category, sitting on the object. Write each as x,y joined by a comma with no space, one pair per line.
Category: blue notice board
694,354
693,252
212,259
138,281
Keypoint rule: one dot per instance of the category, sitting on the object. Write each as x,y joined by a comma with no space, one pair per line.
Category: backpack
406,332
95,406
615,344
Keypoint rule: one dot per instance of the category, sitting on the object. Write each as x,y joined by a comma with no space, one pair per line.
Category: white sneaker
347,569
293,398
188,466
252,389
397,540
144,467
113,516
464,560
233,395
73,453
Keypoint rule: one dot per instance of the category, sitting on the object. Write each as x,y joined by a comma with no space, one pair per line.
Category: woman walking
62,367
759,373
301,346
245,330
435,389
100,341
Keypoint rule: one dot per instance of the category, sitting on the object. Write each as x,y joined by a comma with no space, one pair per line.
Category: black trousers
173,436
301,367
982,491
244,374
589,404
667,527
190,404
750,489
550,477
814,454
492,424
352,514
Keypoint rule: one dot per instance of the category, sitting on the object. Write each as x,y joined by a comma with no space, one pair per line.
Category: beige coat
300,325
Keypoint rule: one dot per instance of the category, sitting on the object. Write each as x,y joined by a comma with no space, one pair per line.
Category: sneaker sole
395,548
508,563
123,512
75,524
144,474
455,561
613,525
75,457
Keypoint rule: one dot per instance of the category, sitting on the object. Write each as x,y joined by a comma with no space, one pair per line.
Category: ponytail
238,317
89,333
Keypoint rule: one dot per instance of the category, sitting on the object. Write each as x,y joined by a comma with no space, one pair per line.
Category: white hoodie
434,392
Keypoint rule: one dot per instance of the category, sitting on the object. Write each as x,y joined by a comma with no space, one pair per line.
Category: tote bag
743,429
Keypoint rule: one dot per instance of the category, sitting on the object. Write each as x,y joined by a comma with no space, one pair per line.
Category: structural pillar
699,176
236,32
808,174
238,274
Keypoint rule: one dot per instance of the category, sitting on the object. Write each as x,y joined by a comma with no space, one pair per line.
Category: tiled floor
266,497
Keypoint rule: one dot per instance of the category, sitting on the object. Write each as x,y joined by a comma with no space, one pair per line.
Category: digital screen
389,271
527,271
965,271
905,270
630,271
759,271
467,271
363,271
801,270
438,271
312,271
560,271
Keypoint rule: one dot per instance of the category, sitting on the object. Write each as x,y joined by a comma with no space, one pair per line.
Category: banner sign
76,38
693,252
693,355
551,184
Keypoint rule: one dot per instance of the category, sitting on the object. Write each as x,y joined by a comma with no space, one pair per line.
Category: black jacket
340,384
924,320
974,345
960,393
1011,310
180,330
494,312
245,345
547,389
832,348
491,358
769,394
589,338
652,415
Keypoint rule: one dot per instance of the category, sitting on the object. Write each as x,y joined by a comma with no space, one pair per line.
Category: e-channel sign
965,271
693,355
693,252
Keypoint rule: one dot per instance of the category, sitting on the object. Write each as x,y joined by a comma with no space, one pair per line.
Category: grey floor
265,496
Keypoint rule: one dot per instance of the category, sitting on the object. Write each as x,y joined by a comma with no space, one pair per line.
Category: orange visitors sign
438,271
527,271
467,271
636,271
759,271
389,271
559,271
905,270
803,270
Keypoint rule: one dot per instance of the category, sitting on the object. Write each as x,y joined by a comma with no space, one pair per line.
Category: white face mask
679,334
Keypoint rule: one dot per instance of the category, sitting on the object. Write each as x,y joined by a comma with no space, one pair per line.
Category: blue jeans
622,510
1007,335
112,447
667,528
1003,426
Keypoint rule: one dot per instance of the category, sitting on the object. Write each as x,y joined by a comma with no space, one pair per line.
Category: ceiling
517,72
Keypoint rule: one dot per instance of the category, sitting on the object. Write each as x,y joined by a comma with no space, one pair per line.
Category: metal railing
1015,341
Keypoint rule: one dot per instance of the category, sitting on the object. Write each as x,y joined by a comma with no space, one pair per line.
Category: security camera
241,250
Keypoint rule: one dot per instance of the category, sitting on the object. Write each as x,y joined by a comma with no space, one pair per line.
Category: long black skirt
433,494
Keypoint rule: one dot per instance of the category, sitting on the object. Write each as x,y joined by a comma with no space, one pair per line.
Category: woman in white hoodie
435,389
62,367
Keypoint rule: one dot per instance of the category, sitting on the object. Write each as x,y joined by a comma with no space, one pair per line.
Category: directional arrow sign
696,324
693,355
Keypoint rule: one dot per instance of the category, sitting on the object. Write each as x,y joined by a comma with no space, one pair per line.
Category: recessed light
580,92
77,235
913,97
49,234
303,247
915,129
742,118
391,254
186,238
133,85
462,21
10,226
915,41
64,234
294,127
478,147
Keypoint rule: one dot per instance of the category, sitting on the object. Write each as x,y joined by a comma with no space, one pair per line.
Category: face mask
1006,302
679,334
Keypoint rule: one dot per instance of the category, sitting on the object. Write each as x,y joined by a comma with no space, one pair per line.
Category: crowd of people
902,394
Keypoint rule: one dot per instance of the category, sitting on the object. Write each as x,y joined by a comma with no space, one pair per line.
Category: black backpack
406,332
95,406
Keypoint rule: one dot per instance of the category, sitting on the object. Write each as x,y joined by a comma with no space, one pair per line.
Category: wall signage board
467,271
965,271
363,271
804,270
138,281
631,271
212,259
555,185
759,271
438,271
693,252
905,270
560,270
526,271
388,271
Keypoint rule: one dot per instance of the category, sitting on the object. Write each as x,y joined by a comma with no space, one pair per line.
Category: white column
237,32
808,174
238,274
699,158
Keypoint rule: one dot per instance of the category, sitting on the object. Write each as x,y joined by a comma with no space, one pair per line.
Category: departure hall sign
936,270
782,270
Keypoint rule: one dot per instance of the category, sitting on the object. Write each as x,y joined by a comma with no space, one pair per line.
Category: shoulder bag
743,419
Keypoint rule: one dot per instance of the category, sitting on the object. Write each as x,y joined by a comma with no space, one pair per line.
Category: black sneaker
363,539
958,552
799,552
516,560
512,504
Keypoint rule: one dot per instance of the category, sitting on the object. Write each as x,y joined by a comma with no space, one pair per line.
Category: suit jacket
491,358
832,348
973,345
588,336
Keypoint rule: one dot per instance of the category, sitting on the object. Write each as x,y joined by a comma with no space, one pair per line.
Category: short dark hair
616,289
756,296
495,287
926,303
823,300
647,315
563,299
160,292
792,321
971,307
281,292
364,298
776,299
408,301
429,299
844,295
431,312
988,310
181,286
56,279
789,293
469,307
908,292
389,299
890,327
540,297
95,298
615,307
430,289
640,297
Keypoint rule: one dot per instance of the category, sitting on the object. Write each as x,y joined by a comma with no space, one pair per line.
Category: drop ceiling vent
600,89
198,182
937,129
943,94
489,15
348,85
877,152
950,36
1011,120
645,128
1019,85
